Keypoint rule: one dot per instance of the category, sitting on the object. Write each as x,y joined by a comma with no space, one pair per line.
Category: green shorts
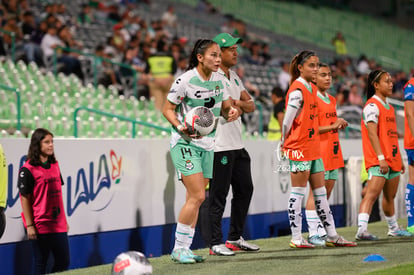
315,166
375,171
331,175
190,160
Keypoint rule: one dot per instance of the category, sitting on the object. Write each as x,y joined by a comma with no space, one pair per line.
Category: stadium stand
49,101
317,24
49,97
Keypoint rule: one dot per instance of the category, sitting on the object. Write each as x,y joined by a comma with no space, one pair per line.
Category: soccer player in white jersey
193,157
231,161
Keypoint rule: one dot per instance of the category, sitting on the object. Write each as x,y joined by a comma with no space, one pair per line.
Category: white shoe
221,250
241,244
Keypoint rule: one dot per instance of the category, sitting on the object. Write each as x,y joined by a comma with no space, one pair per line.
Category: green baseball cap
225,40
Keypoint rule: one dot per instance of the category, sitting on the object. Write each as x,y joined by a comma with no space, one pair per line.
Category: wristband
180,127
381,157
30,225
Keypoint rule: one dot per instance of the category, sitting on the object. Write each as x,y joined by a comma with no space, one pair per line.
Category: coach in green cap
225,40
231,160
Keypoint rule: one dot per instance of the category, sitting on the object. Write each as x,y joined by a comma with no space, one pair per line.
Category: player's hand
383,166
343,123
31,233
340,123
233,114
280,151
182,128
403,169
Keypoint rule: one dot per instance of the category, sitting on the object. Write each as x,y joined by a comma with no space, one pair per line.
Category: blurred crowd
135,46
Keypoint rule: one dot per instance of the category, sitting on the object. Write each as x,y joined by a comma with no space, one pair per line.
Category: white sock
363,219
295,212
190,238
315,226
392,223
181,236
324,212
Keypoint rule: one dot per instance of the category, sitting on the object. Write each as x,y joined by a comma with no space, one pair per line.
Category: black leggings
56,244
2,221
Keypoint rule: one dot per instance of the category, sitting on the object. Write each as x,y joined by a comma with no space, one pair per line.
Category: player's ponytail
297,60
373,77
200,47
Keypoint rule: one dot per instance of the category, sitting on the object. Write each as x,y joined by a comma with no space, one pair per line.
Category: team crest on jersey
217,91
224,160
189,165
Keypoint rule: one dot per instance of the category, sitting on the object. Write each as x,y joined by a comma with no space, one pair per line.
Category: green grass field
276,257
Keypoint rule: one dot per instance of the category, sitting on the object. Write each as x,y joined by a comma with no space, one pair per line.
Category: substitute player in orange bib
301,144
331,152
382,155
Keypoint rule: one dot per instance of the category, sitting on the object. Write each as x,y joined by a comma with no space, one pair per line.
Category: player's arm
25,184
280,116
372,128
28,215
409,114
174,98
293,108
169,113
229,112
246,102
340,123
370,117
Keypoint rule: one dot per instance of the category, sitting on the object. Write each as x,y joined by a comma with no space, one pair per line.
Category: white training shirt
371,111
228,134
190,90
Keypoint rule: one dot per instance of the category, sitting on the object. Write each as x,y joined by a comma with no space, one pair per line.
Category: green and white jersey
189,91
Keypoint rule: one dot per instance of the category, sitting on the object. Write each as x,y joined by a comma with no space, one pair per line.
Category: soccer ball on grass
131,263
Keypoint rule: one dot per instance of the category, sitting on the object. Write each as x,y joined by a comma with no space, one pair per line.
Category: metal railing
96,59
18,115
396,102
134,122
13,44
351,126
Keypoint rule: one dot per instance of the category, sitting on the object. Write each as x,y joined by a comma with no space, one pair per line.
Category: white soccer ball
131,263
200,121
